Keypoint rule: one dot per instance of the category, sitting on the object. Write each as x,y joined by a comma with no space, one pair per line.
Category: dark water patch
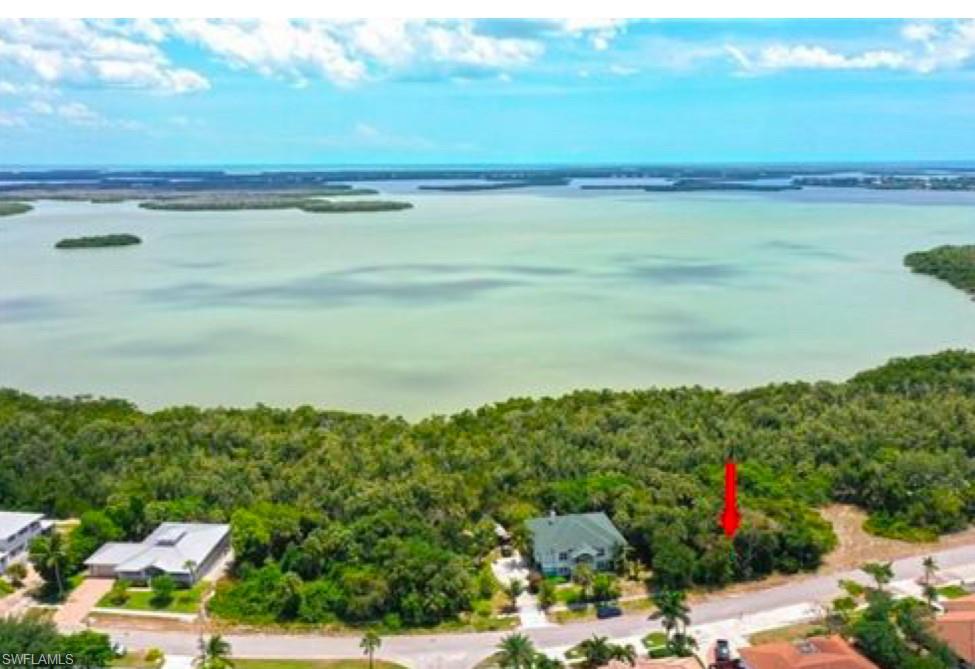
683,273
222,341
458,268
29,309
806,250
327,290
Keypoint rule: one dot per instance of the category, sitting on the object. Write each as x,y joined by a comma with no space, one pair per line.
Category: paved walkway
71,615
515,568
178,662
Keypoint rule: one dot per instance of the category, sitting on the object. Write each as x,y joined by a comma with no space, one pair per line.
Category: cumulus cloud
84,52
348,52
929,46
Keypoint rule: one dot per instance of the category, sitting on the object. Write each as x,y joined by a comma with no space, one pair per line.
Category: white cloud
623,70
8,120
809,57
348,52
599,32
84,52
928,47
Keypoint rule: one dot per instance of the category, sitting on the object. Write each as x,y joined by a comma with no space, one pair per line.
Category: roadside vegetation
369,520
952,264
33,634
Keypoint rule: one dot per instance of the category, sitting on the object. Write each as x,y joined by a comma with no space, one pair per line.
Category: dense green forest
954,264
97,241
358,517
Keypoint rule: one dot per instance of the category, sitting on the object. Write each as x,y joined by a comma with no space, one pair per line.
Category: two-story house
17,530
560,543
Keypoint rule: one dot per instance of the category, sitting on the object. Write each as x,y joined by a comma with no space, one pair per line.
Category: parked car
506,550
608,611
722,650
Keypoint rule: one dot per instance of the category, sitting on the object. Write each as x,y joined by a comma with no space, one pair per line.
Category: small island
257,203
14,208
953,264
98,241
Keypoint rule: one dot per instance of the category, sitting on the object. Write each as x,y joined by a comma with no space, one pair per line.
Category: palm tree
673,608
930,569
931,594
370,644
513,590
623,653
882,573
190,566
215,653
596,652
50,556
582,576
542,661
516,651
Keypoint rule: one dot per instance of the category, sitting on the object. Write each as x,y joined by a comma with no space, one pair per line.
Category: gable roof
814,653
168,548
563,533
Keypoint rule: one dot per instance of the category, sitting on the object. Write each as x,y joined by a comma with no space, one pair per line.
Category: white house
17,530
185,551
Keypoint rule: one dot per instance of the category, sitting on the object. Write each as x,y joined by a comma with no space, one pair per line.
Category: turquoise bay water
476,297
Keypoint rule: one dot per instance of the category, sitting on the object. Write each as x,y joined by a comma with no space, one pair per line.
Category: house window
563,556
600,552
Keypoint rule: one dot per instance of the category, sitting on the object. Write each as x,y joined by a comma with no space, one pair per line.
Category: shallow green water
472,298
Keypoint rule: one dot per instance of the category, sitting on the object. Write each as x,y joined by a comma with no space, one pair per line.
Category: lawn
134,660
313,664
952,592
184,601
789,633
5,588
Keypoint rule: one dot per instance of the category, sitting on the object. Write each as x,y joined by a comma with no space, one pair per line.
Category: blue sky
493,91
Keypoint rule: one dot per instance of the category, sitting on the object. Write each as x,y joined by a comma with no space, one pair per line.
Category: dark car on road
608,611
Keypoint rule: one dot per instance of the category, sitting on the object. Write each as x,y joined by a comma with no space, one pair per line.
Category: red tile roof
957,629
813,653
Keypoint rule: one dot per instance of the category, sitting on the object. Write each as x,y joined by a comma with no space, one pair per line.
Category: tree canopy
364,518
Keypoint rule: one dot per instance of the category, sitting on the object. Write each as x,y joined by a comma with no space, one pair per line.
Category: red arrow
730,517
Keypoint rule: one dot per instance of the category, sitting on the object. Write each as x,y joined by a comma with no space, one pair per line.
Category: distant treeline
953,264
303,204
360,518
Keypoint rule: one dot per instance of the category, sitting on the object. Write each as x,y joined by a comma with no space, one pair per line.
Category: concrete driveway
71,614
515,568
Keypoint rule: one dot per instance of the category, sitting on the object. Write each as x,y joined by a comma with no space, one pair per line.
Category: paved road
456,651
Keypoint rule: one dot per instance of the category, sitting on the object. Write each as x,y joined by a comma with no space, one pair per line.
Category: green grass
134,660
314,664
184,601
952,592
789,633
5,588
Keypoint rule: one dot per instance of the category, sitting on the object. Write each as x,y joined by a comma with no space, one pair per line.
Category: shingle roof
563,533
168,548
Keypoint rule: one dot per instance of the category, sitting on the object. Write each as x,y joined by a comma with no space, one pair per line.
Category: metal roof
168,548
12,522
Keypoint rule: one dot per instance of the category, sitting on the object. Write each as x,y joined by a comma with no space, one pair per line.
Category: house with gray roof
559,543
17,530
184,551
